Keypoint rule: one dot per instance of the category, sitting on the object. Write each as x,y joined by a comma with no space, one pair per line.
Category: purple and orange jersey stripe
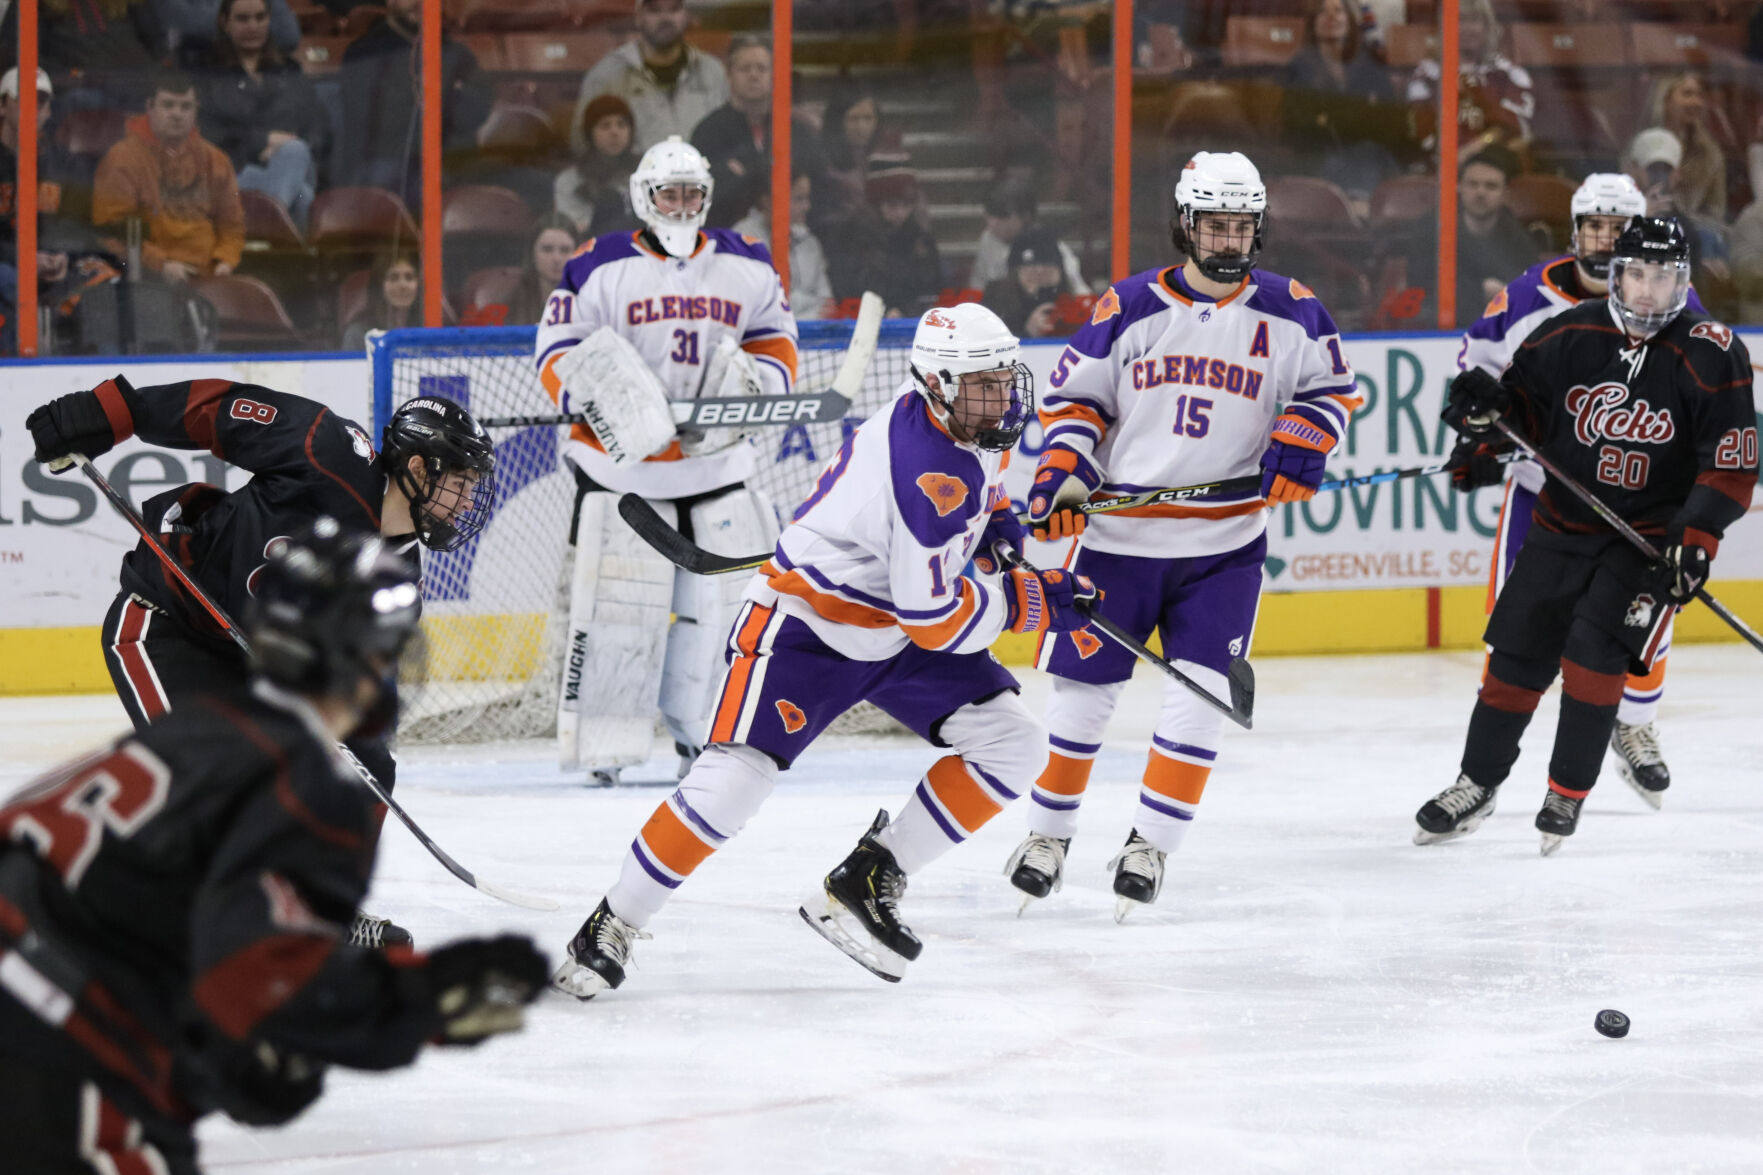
675,841
1175,777
1062,783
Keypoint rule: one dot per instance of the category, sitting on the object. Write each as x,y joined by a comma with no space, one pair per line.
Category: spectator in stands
1679,103
382,103
1746,257
1495,102
103,52
850,133
394,299
553,244
669,84
1011,209
594,191
811,290
1026,297
892,250
1652,161
736,137
1340,109
194,33
180,185
259,108
1492,245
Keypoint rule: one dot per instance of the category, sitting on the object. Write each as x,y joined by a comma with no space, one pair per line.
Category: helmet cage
1646,322
1005,429
1219,267
448,441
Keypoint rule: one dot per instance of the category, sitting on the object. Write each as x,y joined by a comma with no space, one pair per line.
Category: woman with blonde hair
1681,104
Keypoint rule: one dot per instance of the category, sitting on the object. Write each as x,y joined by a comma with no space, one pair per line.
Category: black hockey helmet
333,606
1654,252
454,499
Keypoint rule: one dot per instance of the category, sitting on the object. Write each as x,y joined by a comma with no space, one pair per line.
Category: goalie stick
742,411
1240,677
683,553
232,630
1622,528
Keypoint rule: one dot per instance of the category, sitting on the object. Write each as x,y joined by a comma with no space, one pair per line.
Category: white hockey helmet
669,162
962,340
1219,181
1604,193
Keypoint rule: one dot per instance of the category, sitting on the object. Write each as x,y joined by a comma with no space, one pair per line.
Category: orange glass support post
24,201
433,279
1120,219
1449,64
783,32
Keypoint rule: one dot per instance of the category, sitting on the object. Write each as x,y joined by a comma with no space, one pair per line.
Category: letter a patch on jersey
945,493
792,716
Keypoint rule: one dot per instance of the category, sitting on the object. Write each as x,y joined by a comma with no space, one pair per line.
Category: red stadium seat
361,19
517,129
357,218
556,52
487,287
320,55
1545,200
1262,40
1313,203
250,313
1542,45
1685,45
92,132
1405,198
267,223
483,209
352,296
1410,44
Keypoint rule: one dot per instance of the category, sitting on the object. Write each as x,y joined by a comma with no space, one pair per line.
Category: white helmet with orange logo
954,341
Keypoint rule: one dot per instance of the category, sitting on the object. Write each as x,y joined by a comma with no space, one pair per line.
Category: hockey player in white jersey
1602,207
673,311
865,599
1194,373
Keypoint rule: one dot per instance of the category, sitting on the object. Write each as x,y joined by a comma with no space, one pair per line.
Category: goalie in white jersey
865,599
1602,207
672,312
1186,375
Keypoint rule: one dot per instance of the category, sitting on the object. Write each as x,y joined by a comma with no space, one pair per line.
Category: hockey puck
1611,1023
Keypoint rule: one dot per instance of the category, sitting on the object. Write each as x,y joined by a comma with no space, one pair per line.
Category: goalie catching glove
481,986
1048,601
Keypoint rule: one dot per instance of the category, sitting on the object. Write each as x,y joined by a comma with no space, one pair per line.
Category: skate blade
1551,842
1423,837
581,982
1028,899
1655,799
829,919
1125,906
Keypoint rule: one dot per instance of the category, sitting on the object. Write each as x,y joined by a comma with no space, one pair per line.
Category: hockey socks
1175,776
1509,695
1588,715
951,803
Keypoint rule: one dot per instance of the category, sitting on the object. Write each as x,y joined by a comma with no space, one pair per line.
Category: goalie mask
670,192
452,499
1649,275
983,392
1218,182
331,609
1611,197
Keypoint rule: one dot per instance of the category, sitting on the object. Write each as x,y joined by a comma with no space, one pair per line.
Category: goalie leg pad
617,640
736,522
606,380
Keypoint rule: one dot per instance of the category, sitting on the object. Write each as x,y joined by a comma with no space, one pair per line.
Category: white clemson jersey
873,562
674,311
1165,387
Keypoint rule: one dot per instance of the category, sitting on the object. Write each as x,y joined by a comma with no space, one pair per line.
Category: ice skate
687,756
1456,811
1037,867
857,909
377,933
1138,874
1639,761
1557,819
604,776
597,954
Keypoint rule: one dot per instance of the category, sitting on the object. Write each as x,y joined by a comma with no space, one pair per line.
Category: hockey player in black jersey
432,482
174,909
1650,408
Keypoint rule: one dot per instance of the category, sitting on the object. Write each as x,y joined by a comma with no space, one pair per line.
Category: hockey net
496,610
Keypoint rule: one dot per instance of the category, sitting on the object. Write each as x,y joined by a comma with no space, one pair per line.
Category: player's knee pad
1526,673
1000,737
727,784
616,640
738,522
1183,717
1590,647
1078,711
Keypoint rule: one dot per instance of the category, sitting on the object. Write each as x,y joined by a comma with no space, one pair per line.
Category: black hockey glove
1473,464
255,1083
1682,568
74,423
1475,401
481,986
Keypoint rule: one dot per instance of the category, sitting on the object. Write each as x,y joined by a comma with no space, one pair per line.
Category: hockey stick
744,411
1622,528
1240,677
232,630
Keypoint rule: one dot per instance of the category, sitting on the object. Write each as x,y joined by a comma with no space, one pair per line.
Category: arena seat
574,52
1685,46
92,132
1404,199
250,314
484,210
1546,200
489,286
1262,40
355,218
321,55
1554,45
268,223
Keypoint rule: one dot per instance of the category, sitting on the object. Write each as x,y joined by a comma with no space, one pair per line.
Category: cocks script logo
1605,413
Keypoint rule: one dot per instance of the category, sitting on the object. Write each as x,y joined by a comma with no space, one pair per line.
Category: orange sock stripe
672,843
1653,679
740,673
1064,775
961,794
1569,792
1179,781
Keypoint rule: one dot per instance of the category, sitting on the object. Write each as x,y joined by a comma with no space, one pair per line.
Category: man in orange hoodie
180,184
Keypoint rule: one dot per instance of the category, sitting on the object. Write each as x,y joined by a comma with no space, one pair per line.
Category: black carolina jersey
1663,431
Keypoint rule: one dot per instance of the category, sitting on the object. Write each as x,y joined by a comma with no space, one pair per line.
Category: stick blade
1241,677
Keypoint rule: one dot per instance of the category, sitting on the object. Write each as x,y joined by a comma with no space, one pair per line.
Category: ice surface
1312,992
